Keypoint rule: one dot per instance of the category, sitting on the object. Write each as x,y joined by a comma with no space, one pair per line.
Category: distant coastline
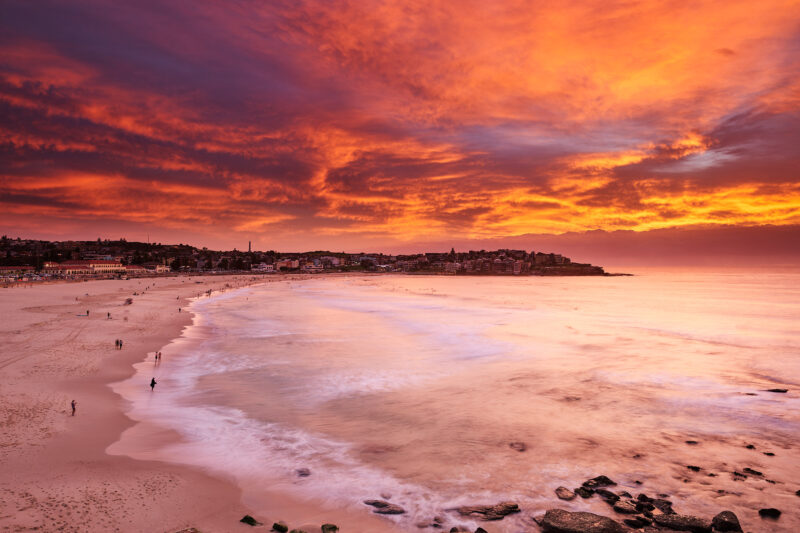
29,260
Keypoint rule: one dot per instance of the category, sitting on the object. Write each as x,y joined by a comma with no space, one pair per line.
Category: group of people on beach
118,344
157,357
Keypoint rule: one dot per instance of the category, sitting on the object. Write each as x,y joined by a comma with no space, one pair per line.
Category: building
87,267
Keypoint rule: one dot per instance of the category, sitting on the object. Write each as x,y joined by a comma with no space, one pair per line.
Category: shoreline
57,473
99,471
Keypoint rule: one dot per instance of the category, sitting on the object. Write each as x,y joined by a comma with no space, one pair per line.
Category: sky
397,126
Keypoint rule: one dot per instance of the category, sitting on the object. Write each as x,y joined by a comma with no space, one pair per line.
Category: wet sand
56,474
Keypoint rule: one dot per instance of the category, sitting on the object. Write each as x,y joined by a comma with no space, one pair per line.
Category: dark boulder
726,521
560,521
752,472
683,523
781,391
564,493
694,468
769,513
489,512
383,507
303,472
519,446
584,492
608,496
599,481
665,506
249,520
637,522
280,527
329,528
625,507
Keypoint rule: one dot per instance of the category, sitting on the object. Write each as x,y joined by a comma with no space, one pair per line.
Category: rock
480,530
637,522
782,391
665,506
625,507
607,495
489,512
584,492
564,493
302,472
726,521
280,527
249,520
189,530
329,528
298,531
519,446
599,481
753,472
694,468
691,442
645,507
797,493
770,454
625,494
750,447
383,507
643,497
769,513
680,522
738,476
560,521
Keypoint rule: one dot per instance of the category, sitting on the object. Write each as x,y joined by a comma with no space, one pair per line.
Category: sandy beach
56,474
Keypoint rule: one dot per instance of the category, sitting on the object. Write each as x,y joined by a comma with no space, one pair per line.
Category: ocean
414,388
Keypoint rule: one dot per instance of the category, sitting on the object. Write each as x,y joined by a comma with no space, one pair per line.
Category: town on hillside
32,260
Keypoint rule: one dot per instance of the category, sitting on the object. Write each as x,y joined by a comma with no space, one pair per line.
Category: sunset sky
394,126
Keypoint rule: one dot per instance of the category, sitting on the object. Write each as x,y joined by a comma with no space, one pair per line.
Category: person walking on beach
116,344
153,384
74,405
120,344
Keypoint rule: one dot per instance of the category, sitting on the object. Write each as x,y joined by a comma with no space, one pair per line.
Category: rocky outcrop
280,527
329,528
599,481
249,520
489,512
680,522
564,493
384,507
726,521
769,513
560,521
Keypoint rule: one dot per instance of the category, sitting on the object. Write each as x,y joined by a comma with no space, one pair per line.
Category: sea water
415,387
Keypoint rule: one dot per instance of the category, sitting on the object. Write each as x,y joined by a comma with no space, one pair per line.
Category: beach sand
56,474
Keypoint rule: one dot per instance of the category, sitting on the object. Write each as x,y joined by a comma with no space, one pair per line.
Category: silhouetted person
116,344
74,405
153,384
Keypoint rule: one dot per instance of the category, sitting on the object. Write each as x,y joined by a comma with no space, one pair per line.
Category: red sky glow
392,126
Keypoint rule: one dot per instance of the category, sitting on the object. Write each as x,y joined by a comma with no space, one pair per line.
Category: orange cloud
406,121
